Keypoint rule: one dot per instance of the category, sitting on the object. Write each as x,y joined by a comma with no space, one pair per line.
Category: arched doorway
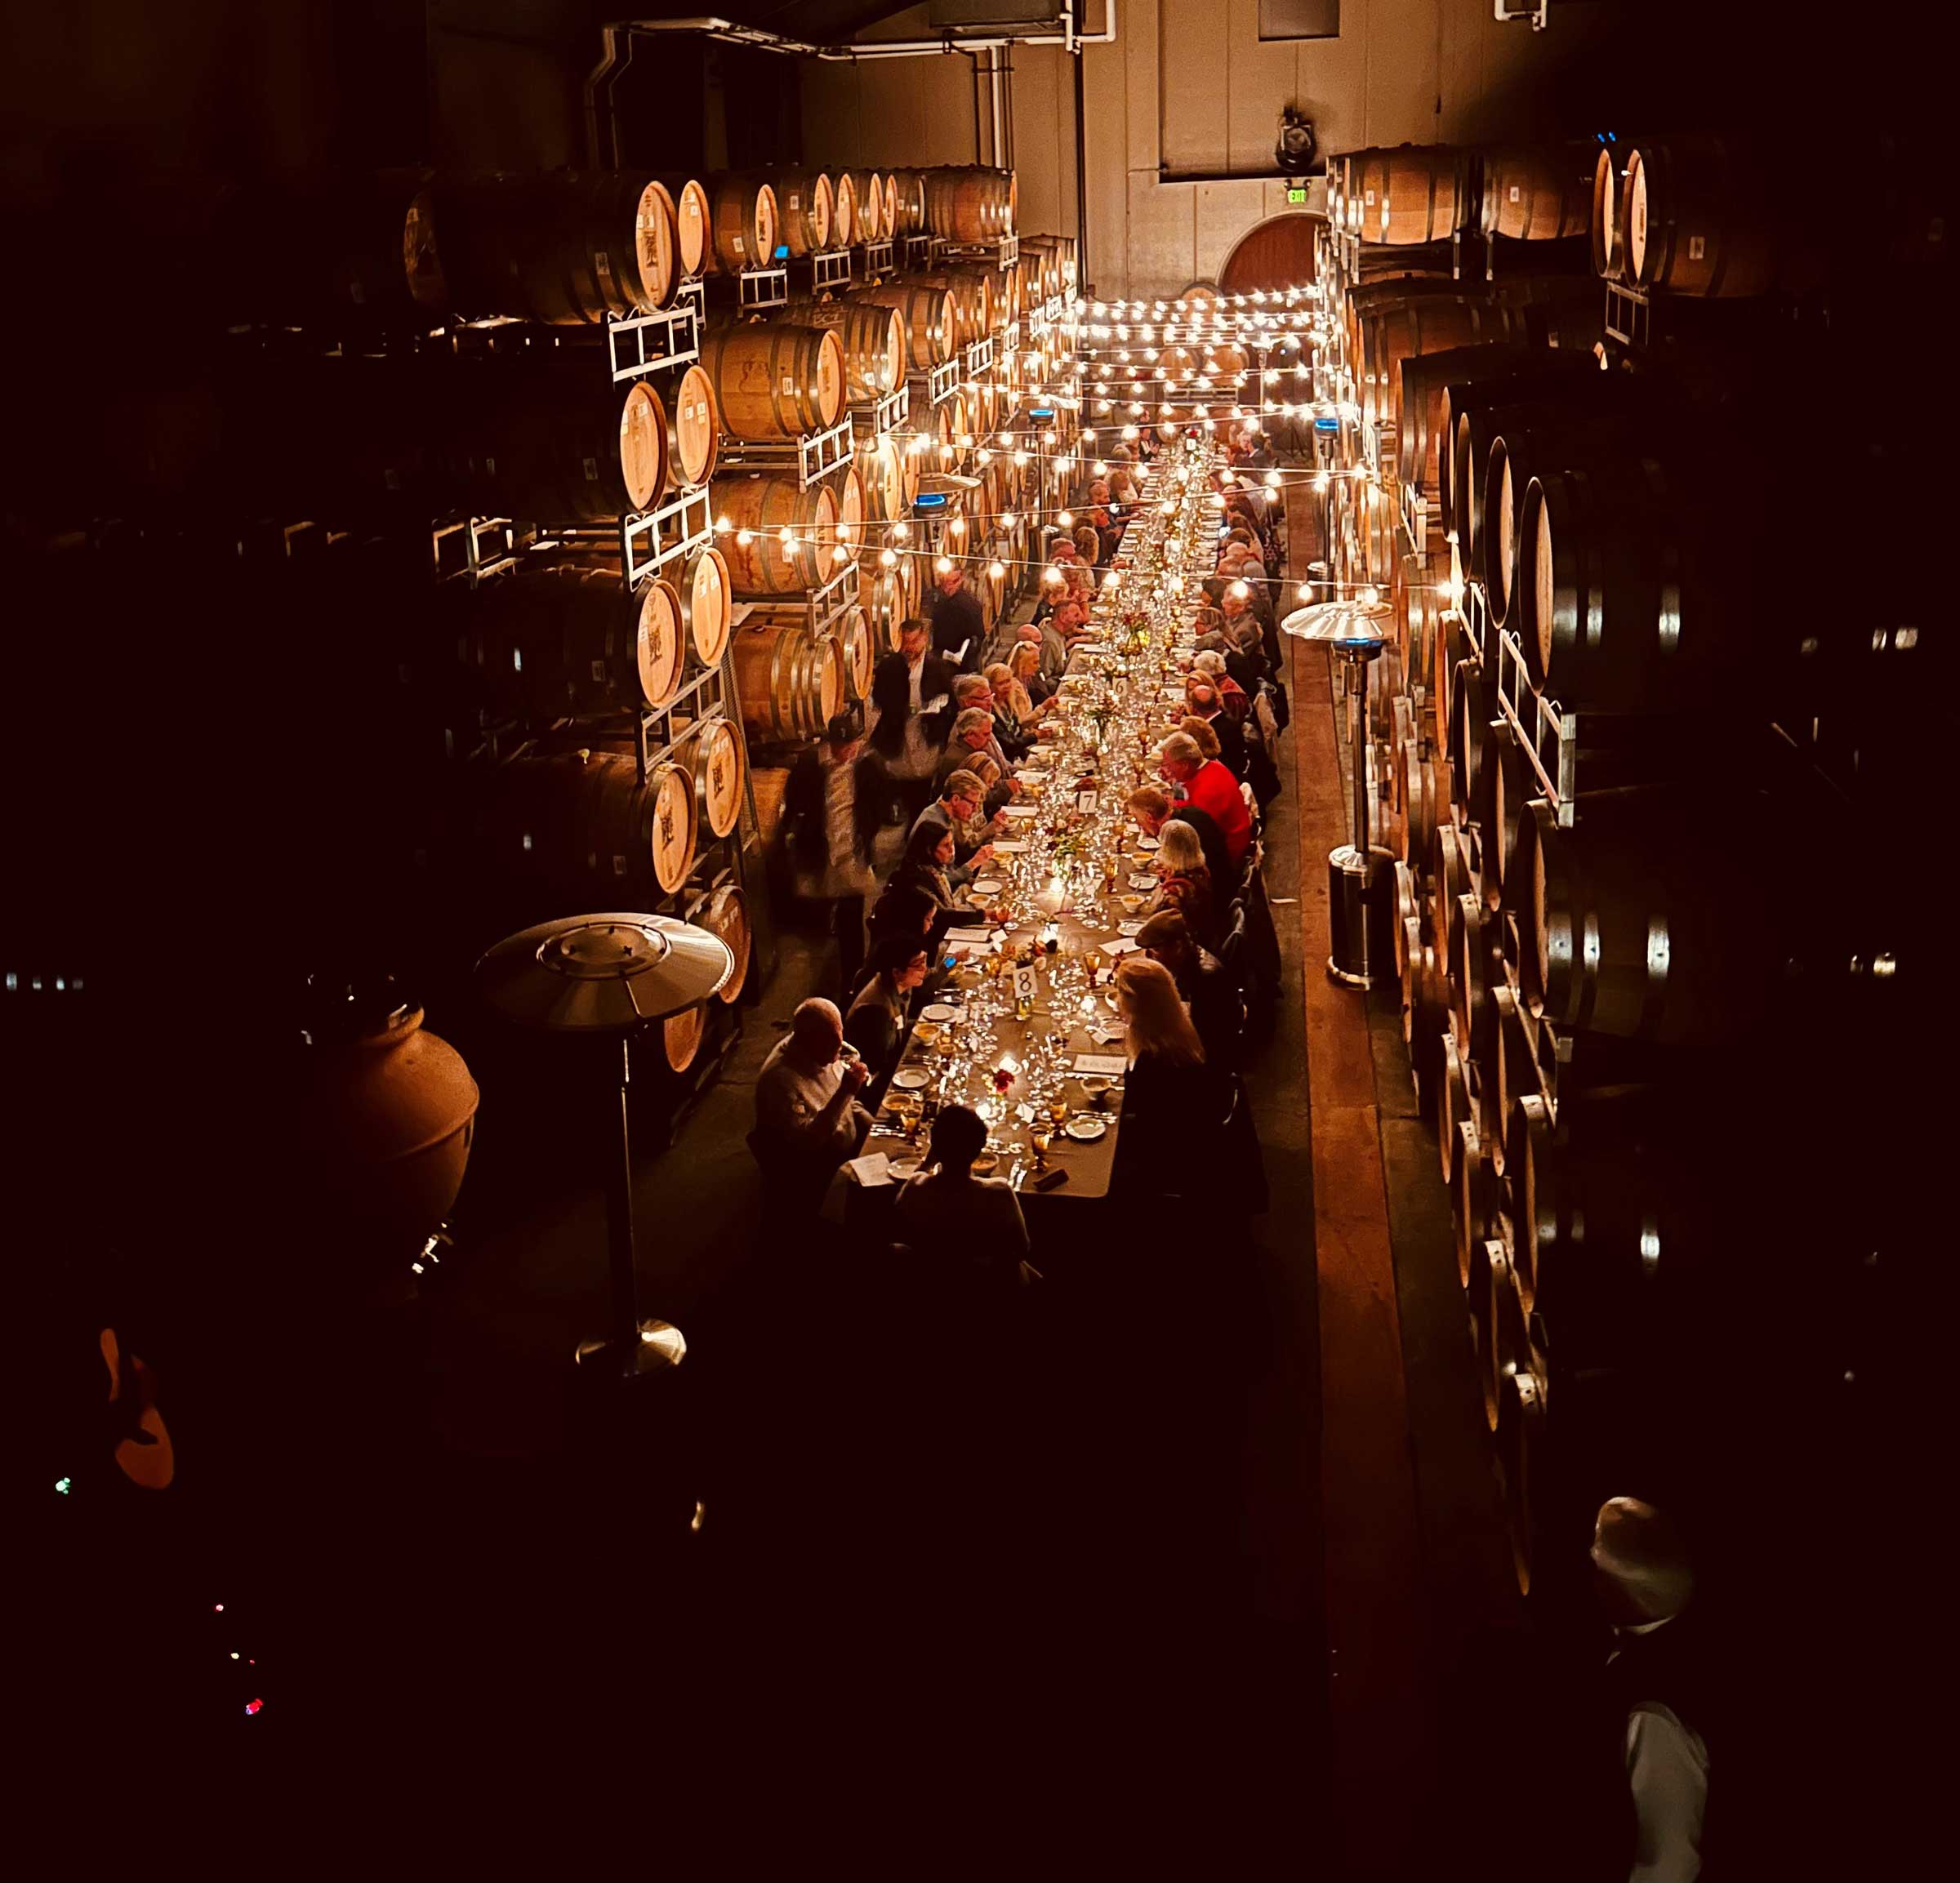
1277,253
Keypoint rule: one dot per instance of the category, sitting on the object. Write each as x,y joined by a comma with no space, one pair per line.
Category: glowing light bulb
1007,519
743,538
944,566
956,527
996,569
840,554
1051,575
1066,519
888,559
901,530
722,526
1241,590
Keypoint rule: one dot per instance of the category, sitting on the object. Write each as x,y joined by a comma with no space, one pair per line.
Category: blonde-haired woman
1172,1100
1015,720
1185,881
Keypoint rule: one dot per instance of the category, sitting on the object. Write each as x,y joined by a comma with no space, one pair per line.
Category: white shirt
1668,1770
976,1219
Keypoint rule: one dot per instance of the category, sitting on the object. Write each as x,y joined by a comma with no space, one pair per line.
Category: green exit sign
1296,195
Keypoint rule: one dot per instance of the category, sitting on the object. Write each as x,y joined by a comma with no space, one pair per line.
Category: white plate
939,1013
987,886
901,1171
912,1078
1148,843
1086,1130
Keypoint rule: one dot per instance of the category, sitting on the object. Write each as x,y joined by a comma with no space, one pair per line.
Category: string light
944,566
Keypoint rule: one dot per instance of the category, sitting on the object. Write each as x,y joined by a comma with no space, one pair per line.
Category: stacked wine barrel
1601,967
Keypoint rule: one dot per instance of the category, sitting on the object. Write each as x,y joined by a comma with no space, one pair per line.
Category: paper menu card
1102,1064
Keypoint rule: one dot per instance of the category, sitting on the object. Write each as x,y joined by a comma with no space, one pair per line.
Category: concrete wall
1190,97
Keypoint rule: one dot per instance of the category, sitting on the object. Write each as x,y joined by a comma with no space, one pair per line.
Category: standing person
959,630
1657,1684
829,834
877,1020
907,689
807,1118
950,1216
1206,783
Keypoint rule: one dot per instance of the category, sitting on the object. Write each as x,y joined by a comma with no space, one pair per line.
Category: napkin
971,937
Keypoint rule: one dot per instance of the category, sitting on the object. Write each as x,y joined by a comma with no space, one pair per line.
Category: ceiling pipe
735,34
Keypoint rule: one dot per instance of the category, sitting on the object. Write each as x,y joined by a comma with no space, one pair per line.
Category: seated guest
1206,783
1208,665
1239,604
902,913
929,867
1152,808
807,1118
876,1021
950,1215
1200,730
958,808
1209,710
958,629
1185,883
1071,622
975,692
1171,1099
1013,725
1122,477
971,749
1024,663
1204,984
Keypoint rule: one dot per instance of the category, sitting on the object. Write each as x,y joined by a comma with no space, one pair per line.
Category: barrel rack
940,383
758,288
877,257
637,344
812,456
918,253
874,419
1002,254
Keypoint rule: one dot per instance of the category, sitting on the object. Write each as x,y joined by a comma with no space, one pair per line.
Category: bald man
807,1118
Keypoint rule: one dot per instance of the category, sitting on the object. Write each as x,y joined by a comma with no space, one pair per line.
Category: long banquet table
1025,1030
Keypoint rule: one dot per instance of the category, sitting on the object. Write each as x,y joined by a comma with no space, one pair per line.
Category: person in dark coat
958,632
1205,704
876,1021
1151,808
1172,1101
1204,985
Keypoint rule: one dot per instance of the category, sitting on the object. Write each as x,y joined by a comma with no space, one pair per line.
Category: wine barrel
1608,175
706,604
1477,968
693,226
1473,706
791,682
1476,1201
908,202
693,427
1520,1426
1426,1020
1509,784
805,202
1698,218
1497,1323
885,603
1632,924
584,826
1425,801
1507,1073
1610,612
715,760
1421,456
539,438
681,1035
860,649
568,641
972,294
969,204
1432,324
881,472
874,207
741,222
1504,376
763,505
726,913
872,337
928,315
1538,193
769,785
775,380
844,229
1452,1109
1411,194
567,247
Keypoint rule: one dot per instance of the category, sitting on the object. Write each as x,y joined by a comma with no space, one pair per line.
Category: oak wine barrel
763,505
1497,1323
1453,1108
769,785
871,335
886,603
928,315
539,438
741,222
1414,194
1538,193
567,247
585,825
881,472
681,1035
1432,324
972,292
706,595
1509,375
1476,969
726,913
874,206
1698,219
1633,923
693,426
908,199
693,225
1608,184
775,380
714,754
568,641
844,229
805,202
970,203
791,682
1520,1426
1505,784
1475,1201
